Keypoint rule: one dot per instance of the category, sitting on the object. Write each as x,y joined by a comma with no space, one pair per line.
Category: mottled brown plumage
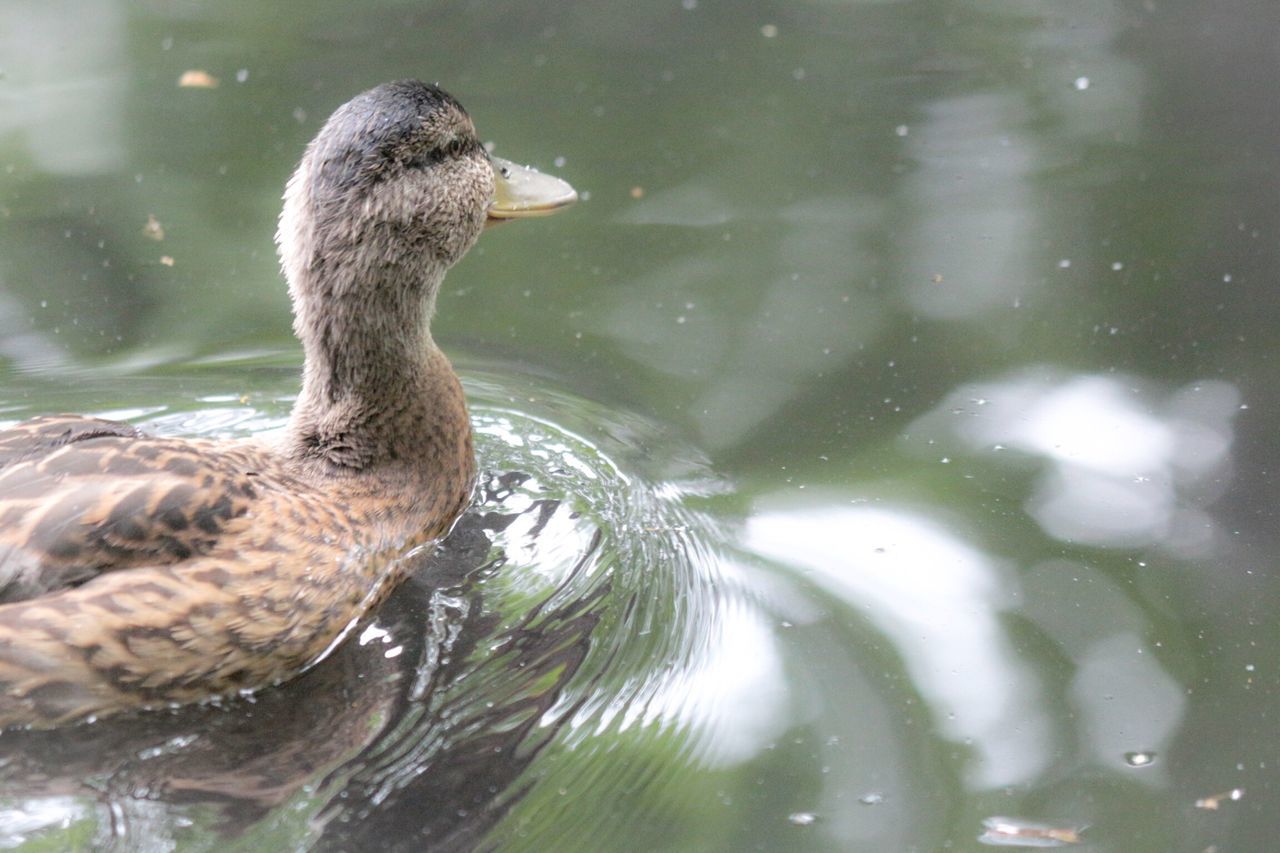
138,571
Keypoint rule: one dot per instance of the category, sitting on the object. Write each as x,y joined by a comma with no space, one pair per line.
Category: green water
883,446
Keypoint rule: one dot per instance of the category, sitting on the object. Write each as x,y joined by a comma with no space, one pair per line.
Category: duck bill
522,193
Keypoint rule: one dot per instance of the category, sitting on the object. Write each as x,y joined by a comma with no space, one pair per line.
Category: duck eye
426,159
452,149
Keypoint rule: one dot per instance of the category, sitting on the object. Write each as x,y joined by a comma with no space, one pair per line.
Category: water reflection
938,599
731,694
27,349
965,266
1122,463
802,321
1129,706
1044,673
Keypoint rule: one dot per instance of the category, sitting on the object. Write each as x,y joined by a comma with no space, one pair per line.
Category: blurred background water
880,457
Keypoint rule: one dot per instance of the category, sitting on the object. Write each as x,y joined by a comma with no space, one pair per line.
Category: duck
140,571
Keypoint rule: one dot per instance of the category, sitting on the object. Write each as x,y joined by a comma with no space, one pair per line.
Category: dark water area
879,457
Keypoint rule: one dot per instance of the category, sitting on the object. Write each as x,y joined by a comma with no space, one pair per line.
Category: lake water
880,457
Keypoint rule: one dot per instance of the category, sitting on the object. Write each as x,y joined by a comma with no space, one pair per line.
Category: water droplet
1139,759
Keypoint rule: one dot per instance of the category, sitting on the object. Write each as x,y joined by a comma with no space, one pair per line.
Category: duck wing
83,496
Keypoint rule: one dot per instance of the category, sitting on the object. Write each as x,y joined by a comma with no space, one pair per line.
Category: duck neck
377,393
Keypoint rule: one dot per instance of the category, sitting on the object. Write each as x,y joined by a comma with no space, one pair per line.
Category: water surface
879,458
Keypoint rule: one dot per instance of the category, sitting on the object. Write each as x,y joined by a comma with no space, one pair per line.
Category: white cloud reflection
967,159
36,819
939,600
1125,465
733,689
1123,699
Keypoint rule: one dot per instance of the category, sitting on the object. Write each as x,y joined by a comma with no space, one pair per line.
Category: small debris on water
153,230
1213,802
769,31
1081,83
197,79
802,818
1015,832
166,260
871,798
637,192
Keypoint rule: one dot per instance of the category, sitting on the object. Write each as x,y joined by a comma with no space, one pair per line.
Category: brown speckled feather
138,571
162,570
80,496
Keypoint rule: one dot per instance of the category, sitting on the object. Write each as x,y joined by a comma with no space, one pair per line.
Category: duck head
397,187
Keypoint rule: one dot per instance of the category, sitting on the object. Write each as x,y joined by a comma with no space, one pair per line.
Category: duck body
141,571
157,571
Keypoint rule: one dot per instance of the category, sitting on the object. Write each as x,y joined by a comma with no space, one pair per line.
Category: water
880,457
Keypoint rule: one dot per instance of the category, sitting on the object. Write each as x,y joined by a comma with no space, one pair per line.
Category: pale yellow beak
521,192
